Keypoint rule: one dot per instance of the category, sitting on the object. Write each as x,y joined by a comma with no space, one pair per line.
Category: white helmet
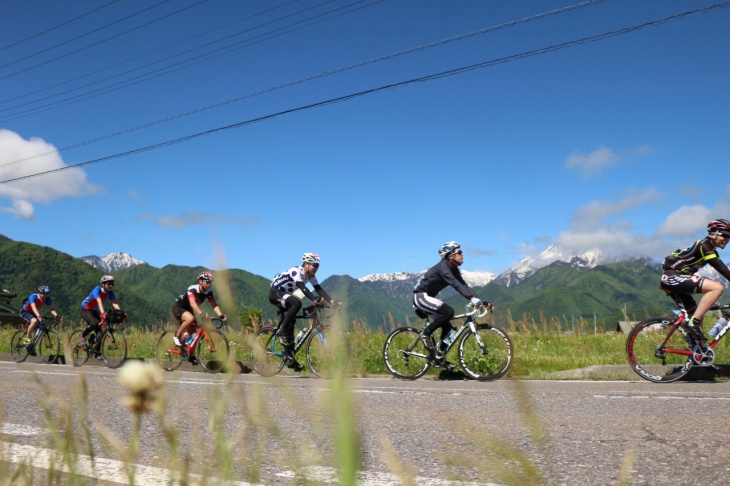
447,248
310,258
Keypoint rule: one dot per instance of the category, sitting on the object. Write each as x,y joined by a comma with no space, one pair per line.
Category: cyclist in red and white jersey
187,305
681,279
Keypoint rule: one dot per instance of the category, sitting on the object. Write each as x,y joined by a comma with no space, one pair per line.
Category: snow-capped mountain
474,279
112,262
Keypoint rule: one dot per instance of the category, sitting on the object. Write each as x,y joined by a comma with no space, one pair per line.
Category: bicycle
327,351
662,350
485,351
209,347
110,345
45,344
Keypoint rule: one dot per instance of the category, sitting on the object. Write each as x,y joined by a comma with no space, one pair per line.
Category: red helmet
721,225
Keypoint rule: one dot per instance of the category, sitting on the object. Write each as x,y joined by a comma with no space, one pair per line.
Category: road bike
485,351
662,349
208,346
46,343
326,348
109,345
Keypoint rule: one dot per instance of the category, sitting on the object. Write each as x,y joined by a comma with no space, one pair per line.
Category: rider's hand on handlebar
336,304
223,317
475,301
489,306
320,302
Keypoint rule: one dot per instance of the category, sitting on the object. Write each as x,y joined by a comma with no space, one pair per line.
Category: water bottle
719,325
449,338
299,337
187,339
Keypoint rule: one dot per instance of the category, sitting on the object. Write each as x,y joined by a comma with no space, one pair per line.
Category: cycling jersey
90,303
441,276
293,279
690,260
194,293
34,299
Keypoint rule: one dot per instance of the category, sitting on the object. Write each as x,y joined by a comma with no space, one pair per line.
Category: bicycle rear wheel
79,352
213,350
486,355
113,348
327,352
405,355
18,350
49,346
267,353
657,352
168,355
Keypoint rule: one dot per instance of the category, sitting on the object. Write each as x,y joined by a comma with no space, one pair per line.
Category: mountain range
554,287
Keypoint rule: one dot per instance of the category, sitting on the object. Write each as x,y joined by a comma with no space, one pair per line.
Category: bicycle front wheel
18,350
213,350
327,352
405,355
168,355
486,355
113,348
267,353
79,352
49,346
658,352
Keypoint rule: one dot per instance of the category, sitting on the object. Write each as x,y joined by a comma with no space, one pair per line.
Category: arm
34,310
322,293
721,268
216,308
457,282
307,292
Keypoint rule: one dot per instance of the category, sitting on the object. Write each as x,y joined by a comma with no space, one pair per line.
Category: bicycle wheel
657,352
405,355
213,350
49,346
18,350
168,355
79,352
113,348
267,353
486,355
327,352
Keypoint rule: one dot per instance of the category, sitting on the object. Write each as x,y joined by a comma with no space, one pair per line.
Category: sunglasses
109,283
458,252
315,265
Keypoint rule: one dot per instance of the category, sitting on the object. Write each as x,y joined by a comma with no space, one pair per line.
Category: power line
320,75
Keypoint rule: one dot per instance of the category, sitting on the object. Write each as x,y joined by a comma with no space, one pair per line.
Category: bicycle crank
703,355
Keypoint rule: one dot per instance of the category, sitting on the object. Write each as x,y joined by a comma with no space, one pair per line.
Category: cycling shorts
27,316
681,283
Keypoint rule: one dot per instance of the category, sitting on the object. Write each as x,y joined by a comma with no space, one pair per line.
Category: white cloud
196,219
592,164
686,221
19,158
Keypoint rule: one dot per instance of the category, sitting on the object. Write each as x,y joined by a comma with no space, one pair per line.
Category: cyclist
287,291
444,274
187,306
680,277
92,308
30,313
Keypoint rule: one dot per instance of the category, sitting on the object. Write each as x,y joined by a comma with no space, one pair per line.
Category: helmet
310,258
106,278
721,225
44,289
447,248
206,275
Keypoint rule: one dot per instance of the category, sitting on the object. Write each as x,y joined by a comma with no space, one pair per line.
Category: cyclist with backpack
187,305
287,291
680,277
444,274
30,313
92,308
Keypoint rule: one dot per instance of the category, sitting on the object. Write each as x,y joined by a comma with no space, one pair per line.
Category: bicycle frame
199,333
468,324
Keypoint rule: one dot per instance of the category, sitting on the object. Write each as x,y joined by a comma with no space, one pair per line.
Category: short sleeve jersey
90,303
194,293
692,259
288,281
35,299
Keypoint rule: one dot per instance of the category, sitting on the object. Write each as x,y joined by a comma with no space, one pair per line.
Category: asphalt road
427,432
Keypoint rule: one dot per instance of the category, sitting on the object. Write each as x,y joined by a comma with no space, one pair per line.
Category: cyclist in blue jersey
287,291
92,308
444,274
680,277
30,313
187,306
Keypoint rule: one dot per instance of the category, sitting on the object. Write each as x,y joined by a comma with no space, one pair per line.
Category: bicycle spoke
657,352
49,346
113,348
18,350
79,352
213,350
327,353
267,353
168,355
486,355
405,354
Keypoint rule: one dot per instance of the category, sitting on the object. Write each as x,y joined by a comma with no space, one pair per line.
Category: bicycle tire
169,356
489,360
327,352
49,346
405,355
213,351
648,356
113,348
18,350
79,352
267,353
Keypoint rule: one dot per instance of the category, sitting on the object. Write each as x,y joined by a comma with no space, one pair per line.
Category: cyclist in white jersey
287,291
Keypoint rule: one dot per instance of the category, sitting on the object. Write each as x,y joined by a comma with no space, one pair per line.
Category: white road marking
19,429
658,397
328,475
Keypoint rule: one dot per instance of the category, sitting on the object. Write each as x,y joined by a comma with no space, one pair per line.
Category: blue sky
619,144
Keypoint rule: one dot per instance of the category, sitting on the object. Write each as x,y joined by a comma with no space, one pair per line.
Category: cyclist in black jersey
444,274
187,305
680,274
